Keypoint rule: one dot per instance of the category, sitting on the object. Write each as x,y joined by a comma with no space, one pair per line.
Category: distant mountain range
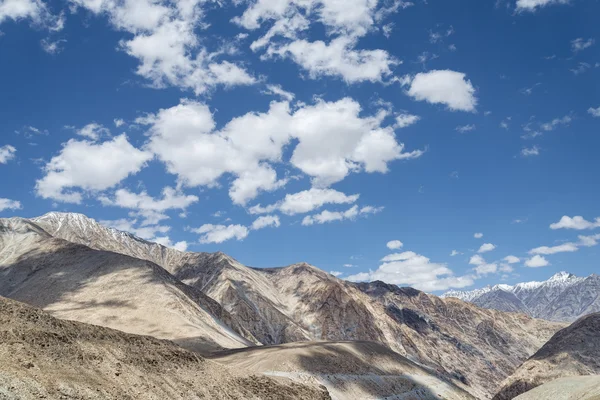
77,269
564,297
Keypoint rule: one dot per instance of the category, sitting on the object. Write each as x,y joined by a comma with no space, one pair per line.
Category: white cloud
465,128
327,216
485,269
147,207
581,44
536,261
394,244
332,142
338,58
336,273
35,11
266,221
454,253
277,90
588,241
8,204
7,153
532,5
349,265
415,270
404,120
477,260
52,46
166,241
129,225
549,126
545,250
478,235
512,259
306,201
119,122
594,112
93,131
577,222
486,247
89,166
166,45
220,233
530,151
444,87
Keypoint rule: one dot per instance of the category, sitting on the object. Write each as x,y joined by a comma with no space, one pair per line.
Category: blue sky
281,131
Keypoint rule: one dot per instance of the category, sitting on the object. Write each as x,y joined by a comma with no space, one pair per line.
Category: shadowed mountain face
44,357
563,297
72,281
474,347
572,351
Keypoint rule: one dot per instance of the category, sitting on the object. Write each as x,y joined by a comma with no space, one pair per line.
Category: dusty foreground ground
349,370
42,357
572,388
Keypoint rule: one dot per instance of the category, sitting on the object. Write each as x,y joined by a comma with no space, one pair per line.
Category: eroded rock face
44,357
572,351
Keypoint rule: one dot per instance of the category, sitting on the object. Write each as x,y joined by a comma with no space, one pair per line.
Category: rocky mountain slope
349,370
563,297
75,282
474,347
44,357
572,351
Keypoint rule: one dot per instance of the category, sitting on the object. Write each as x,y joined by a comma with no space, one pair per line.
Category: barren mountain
571,388
349,370
563,297
476,348
572,351
72,281
44,357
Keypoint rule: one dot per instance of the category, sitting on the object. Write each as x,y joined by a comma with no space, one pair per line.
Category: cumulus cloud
446,87
131,226
550,126
306,201
512,259
7,153
404,120
476,260
465,128
166,241
89,166
338,58
532,5
35,11
486,247
454,253
536,261
8,204
332,141
336,273
266,221
166,45
577,222
220,233
93,131
146,206
415,270
478,235
394,244
594,112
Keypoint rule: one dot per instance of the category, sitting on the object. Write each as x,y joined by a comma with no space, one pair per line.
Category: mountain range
77,269
564,297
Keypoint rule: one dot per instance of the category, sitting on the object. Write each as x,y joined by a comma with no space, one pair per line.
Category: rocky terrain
349,370
42,357
474,348
563,297
75,282
572,351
